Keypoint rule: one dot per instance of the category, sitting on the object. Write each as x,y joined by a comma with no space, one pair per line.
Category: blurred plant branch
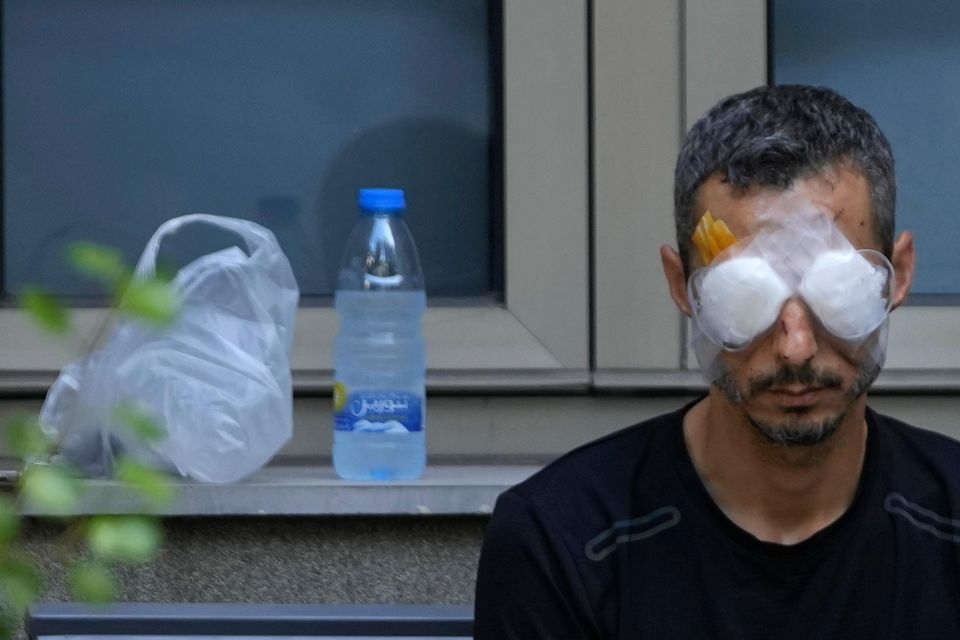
47,483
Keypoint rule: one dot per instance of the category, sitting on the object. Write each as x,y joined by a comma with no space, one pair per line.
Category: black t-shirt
620,539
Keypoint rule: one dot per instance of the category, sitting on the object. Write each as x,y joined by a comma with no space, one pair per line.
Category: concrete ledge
300,490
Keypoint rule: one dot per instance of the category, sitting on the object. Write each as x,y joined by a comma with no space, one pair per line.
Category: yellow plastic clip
711,237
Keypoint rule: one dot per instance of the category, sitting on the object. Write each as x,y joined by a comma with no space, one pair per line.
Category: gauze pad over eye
798,252
850,292
737,300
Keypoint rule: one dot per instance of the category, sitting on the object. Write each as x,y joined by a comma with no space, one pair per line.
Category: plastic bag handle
253,234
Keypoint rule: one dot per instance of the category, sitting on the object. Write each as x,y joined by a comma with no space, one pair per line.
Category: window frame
721,49
539,337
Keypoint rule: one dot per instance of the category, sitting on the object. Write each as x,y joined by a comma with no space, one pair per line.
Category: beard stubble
798,430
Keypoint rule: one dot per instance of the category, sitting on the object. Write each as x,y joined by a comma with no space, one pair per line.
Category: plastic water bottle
379,354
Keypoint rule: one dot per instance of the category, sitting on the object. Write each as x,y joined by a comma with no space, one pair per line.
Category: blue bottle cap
382,200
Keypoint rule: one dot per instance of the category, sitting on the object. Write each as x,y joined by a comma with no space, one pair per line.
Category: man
779,505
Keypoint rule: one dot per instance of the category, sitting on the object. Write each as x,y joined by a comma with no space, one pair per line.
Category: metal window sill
453,490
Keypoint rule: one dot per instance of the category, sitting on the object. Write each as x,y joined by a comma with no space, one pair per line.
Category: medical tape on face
797,252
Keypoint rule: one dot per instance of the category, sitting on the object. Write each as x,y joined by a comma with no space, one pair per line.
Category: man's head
769,137
765,151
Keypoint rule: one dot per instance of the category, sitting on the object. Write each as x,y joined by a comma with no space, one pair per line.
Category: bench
129,621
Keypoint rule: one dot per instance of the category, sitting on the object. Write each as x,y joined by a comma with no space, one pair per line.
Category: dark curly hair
772,135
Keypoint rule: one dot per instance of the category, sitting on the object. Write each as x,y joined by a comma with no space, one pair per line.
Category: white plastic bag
218,379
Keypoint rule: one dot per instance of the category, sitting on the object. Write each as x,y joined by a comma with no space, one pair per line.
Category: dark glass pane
120,114
899,61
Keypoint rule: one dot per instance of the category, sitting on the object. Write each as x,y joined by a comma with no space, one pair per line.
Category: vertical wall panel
637,107
545,92
725,50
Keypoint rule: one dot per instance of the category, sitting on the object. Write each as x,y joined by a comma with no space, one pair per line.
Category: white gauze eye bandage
742,297
798,252
848,291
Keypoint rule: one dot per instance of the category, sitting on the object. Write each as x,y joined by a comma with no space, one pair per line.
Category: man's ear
676,281
904,263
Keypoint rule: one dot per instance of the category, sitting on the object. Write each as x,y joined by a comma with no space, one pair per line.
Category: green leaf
151,301
25,437
125,538
20,583
51,488
9,520
165,273
148,482
103,263
139,423
92,582
45,310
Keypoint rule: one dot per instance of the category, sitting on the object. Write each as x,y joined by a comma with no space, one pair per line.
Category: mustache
805,375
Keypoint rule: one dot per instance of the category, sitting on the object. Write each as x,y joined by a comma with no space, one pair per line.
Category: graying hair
772,135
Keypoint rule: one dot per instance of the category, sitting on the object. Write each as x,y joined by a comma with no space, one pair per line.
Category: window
656,69
119,115
898,64
589,142
530,331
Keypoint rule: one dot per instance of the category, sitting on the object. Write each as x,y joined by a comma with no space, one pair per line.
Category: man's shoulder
919,456
919,440
597,479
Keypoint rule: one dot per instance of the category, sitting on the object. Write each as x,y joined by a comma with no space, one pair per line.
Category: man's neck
779,494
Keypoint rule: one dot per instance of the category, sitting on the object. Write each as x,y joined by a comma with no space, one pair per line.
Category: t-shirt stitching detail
634,530
936,524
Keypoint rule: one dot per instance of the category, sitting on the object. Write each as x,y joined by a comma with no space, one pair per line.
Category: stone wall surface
414,559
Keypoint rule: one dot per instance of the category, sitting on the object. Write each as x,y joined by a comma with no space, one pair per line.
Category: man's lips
796,396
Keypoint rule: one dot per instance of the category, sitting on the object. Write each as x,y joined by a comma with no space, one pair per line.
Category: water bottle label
377,411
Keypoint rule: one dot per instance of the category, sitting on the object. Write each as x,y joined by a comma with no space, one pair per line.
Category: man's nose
796,342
